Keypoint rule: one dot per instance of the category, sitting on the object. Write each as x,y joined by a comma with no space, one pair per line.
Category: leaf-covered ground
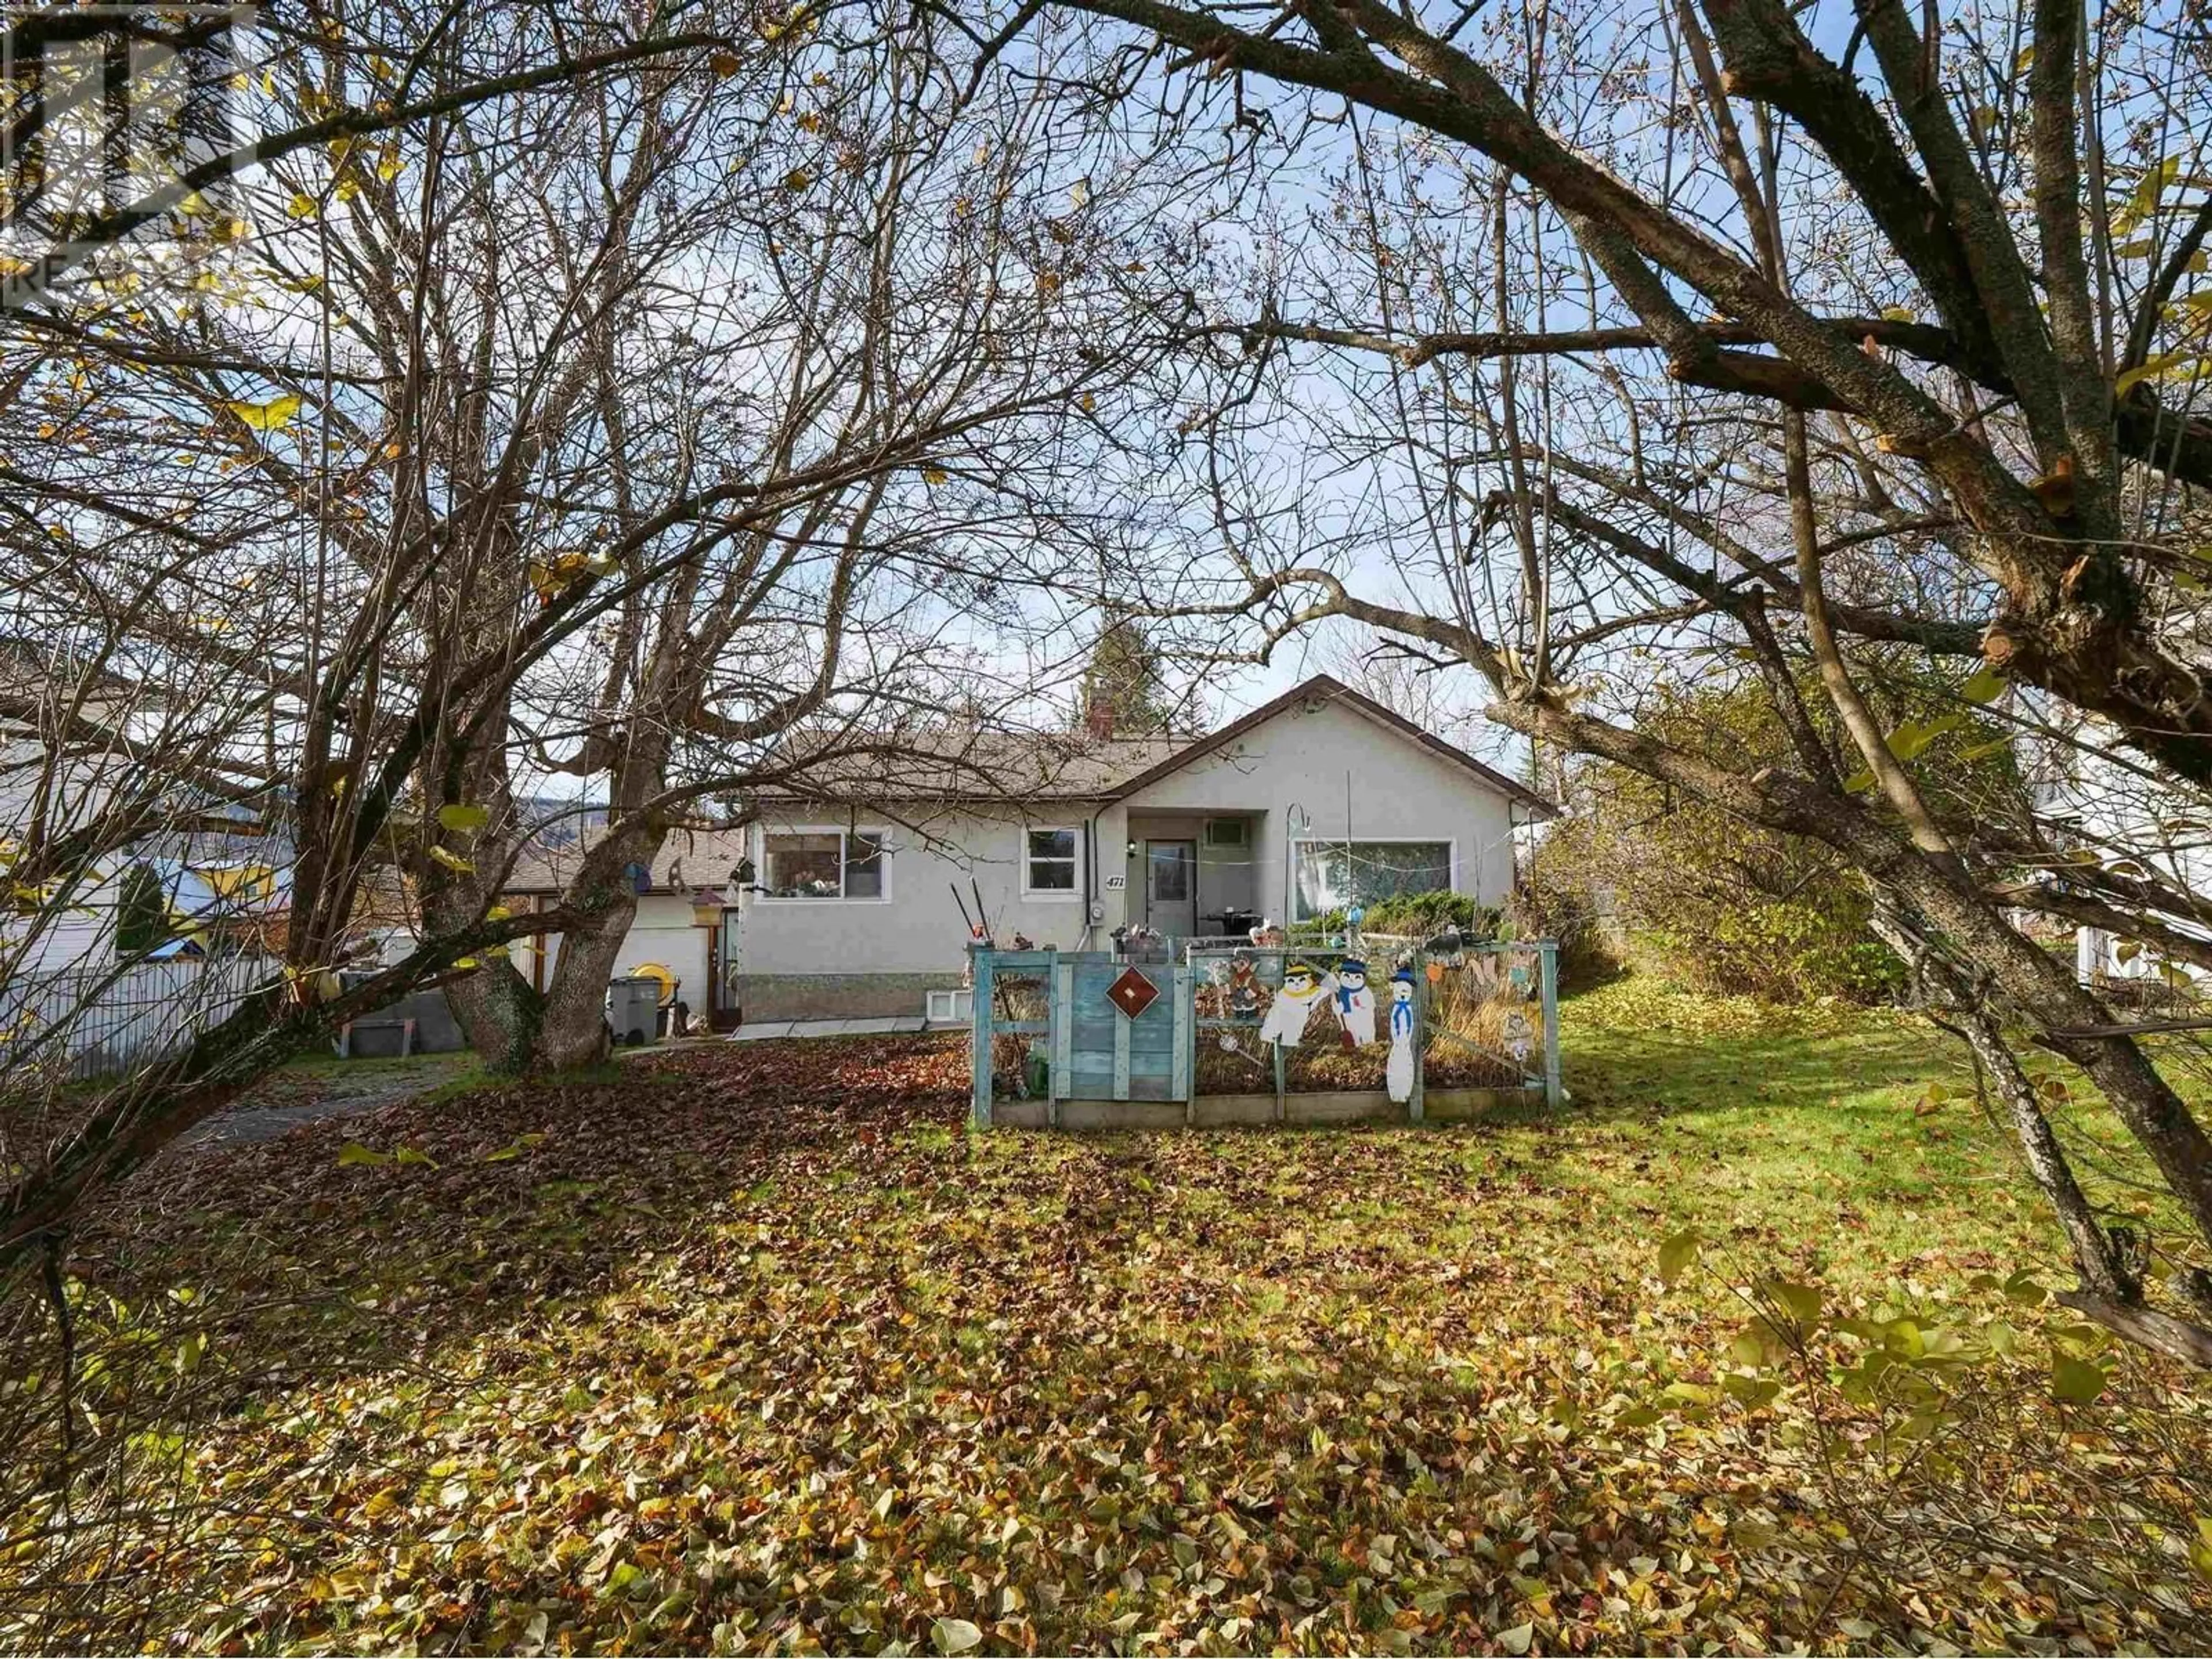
756,1349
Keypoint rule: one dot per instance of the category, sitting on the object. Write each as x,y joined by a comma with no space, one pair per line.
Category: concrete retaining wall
1210,1111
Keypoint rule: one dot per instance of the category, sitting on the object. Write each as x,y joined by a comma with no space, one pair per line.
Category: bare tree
1915,298
127,129
682,429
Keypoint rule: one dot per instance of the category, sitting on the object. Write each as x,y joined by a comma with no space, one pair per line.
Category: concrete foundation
1213,1111
770,997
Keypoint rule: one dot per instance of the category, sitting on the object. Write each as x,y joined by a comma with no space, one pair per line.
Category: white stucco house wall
854,906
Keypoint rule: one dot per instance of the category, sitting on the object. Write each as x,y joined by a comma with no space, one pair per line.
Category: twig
58,1294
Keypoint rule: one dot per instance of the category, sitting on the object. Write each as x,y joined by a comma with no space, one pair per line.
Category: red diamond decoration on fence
1133,993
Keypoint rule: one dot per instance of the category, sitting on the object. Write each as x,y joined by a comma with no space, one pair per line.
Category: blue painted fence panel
1094,1051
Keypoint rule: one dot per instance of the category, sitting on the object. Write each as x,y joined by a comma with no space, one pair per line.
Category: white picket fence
82,1022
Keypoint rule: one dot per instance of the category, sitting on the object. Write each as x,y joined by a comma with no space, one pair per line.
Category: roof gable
1325,688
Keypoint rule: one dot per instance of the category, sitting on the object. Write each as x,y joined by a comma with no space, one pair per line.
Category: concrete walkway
762,1030
289,1096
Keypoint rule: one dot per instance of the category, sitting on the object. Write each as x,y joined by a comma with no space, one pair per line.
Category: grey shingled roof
957,766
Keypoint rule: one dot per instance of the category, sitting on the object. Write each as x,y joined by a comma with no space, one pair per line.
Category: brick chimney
1098,718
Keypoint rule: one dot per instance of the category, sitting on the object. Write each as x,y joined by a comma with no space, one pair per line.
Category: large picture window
1048,863
822,864
1329,875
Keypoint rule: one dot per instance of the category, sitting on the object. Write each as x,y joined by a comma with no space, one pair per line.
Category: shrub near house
1739,910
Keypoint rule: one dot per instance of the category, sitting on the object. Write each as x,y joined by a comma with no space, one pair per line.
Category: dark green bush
1418,915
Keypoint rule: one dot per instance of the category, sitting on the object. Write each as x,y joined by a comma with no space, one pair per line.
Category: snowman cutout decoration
1301,992
1355,1003
1398,1073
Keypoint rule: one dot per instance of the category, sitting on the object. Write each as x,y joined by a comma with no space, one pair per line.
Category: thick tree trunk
573,1028
498,1009
499,1012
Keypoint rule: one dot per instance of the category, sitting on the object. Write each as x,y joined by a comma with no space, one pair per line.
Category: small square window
1049,862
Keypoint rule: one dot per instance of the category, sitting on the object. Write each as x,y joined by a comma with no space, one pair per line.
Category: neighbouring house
849,901
175,908
186,877
2092,799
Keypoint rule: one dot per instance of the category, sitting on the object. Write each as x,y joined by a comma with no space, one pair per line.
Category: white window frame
1071,894
1299,843
1244,842
844,832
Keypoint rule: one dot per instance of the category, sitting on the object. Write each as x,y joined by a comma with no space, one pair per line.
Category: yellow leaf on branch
273,416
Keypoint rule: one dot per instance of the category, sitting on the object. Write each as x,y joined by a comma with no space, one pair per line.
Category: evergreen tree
1124,693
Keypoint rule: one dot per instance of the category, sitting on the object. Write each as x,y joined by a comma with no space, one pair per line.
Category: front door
722,974
1171,887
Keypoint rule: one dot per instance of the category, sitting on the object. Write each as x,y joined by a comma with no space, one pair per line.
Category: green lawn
757,1348
1709,1112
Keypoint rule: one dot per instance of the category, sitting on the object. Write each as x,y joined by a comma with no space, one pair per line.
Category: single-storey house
860,904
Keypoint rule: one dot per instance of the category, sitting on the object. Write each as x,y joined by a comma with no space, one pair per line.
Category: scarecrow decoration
1213,996
1303,990
1398,1073
1520,1036
1243,988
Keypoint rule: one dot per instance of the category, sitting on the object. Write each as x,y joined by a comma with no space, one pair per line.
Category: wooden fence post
981,1114
1415,1107
1183,1076
1554,1091
1062,1002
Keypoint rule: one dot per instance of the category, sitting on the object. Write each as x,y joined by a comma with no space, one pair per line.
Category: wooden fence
1093,1039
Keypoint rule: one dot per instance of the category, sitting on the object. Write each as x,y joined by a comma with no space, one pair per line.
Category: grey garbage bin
634,1009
